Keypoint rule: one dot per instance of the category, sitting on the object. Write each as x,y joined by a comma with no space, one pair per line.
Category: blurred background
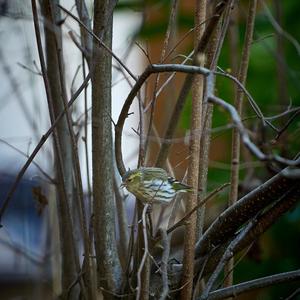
28,246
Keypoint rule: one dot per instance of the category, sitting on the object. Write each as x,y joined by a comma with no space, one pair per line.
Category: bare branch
194,159
164,264
248,206
201,203
96,38
226,256
251,285
171,25
38,147
86,39
53,88
236,142
280,30
125,109
52,180
108,267
199,49
211,98
146,251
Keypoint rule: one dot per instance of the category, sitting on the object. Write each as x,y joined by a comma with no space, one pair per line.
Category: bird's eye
129,179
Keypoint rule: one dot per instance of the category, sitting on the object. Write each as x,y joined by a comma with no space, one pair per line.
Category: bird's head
132,180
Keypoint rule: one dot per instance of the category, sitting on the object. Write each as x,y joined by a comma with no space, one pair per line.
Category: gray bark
108,266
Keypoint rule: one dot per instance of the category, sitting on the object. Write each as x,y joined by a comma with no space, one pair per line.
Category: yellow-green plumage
152,185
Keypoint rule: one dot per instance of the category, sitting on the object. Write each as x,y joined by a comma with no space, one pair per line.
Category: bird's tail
179,186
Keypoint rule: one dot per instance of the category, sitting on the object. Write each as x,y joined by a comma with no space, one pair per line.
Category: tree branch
251,285
194,159
247,207
226,256
108,264
164,264
125,109
236,142
199,50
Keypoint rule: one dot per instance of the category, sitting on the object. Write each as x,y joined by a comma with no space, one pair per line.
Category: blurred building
25,250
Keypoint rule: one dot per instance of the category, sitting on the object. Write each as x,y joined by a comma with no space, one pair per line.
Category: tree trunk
108,267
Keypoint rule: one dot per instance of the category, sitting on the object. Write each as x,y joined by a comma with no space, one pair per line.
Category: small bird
153,185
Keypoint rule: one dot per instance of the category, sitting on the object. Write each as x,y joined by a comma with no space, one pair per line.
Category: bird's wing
157,173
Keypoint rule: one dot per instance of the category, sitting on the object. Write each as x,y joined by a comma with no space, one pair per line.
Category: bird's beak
122,185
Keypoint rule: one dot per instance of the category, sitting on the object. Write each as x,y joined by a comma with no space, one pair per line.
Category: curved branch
251,285
245,136
190,70
124,112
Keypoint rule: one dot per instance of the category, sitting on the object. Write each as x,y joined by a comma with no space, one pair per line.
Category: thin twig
52,180
98,40
236,142
29,69
146,249
19,95
171,26
245,136
202,202
280,30
287,124
226,256
38,147
292,295
199,50
86,39
122,222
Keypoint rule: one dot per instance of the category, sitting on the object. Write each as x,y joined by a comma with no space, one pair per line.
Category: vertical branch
146,265
122,223
201,47
212,57
235,156
141,292
108,266
280,61
70,263
171,26
85,138
142,152
193,172
141,259
86,38
75,161
233,42
166,45
164,264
